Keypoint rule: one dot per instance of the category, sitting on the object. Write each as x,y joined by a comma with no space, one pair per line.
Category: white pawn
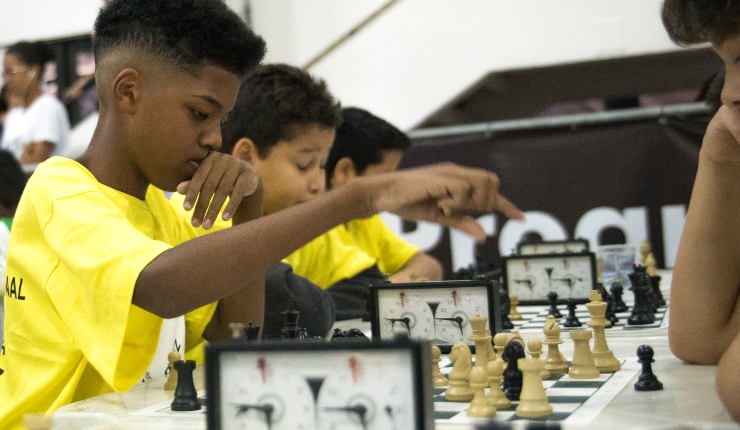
514,314
555,362
438,378
499,343
532,400
171,383
479,407
496,396
535,349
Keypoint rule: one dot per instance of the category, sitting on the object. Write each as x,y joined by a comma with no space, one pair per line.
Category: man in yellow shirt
98,258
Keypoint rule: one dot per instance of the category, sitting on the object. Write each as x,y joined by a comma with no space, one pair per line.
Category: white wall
421,53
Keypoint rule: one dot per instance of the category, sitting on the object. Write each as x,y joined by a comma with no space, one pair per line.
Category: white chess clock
552,247
435,311
532,277
319,385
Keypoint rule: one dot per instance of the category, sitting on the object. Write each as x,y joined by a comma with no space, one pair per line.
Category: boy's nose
731,91
212,140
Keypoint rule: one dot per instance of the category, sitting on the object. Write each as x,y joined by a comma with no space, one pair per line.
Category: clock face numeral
533,277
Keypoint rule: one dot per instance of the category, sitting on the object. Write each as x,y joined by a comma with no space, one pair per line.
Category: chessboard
534,317
163,409
574,401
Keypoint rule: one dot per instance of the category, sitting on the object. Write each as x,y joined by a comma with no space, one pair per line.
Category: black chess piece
291,329
506,323
552,297
609,300
186,398
647,380
513,351
655,283
642,309
251,332
338,333
617,289
644,279
571,320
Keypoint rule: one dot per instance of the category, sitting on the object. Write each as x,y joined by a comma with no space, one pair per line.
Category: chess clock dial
435,311
552,247
532,277
319,385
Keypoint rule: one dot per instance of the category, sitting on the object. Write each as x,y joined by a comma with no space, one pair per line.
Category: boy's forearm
246,304
420,266
209,268
704,318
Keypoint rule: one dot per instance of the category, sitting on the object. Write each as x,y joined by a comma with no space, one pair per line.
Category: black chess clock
319,385
552,247
435,311
532,277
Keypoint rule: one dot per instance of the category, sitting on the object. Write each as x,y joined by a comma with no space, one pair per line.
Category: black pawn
617,290
186,398
647,380
513,351
571,320
506,323
552,297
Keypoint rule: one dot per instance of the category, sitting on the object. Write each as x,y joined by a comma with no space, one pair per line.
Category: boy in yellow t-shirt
364,145
98,257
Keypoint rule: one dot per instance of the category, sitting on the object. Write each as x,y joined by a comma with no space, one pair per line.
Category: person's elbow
728,385
694,351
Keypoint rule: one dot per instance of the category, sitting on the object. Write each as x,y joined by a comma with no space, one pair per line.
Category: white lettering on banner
673,217
632,221
425,236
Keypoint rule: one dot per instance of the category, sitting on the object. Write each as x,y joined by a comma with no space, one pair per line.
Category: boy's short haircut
273,101
13,180
698,21
363,137
209,33
32,53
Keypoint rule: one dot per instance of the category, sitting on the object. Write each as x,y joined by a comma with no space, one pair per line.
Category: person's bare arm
36,152
211,267
246,304
728,379
704,317
419,266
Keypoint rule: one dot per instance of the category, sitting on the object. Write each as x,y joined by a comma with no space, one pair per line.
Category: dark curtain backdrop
566,172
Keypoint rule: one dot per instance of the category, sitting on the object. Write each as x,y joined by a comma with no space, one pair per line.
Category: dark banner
612,182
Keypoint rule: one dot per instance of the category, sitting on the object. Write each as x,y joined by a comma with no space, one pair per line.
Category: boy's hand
219,176
445,193
722,140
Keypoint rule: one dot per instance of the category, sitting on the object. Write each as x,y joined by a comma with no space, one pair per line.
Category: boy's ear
344,171
245,149
127,89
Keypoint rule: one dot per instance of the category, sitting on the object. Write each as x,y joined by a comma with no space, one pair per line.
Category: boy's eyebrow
211,100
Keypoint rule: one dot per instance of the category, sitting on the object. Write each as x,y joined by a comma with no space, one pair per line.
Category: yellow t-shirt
348,249
76,250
